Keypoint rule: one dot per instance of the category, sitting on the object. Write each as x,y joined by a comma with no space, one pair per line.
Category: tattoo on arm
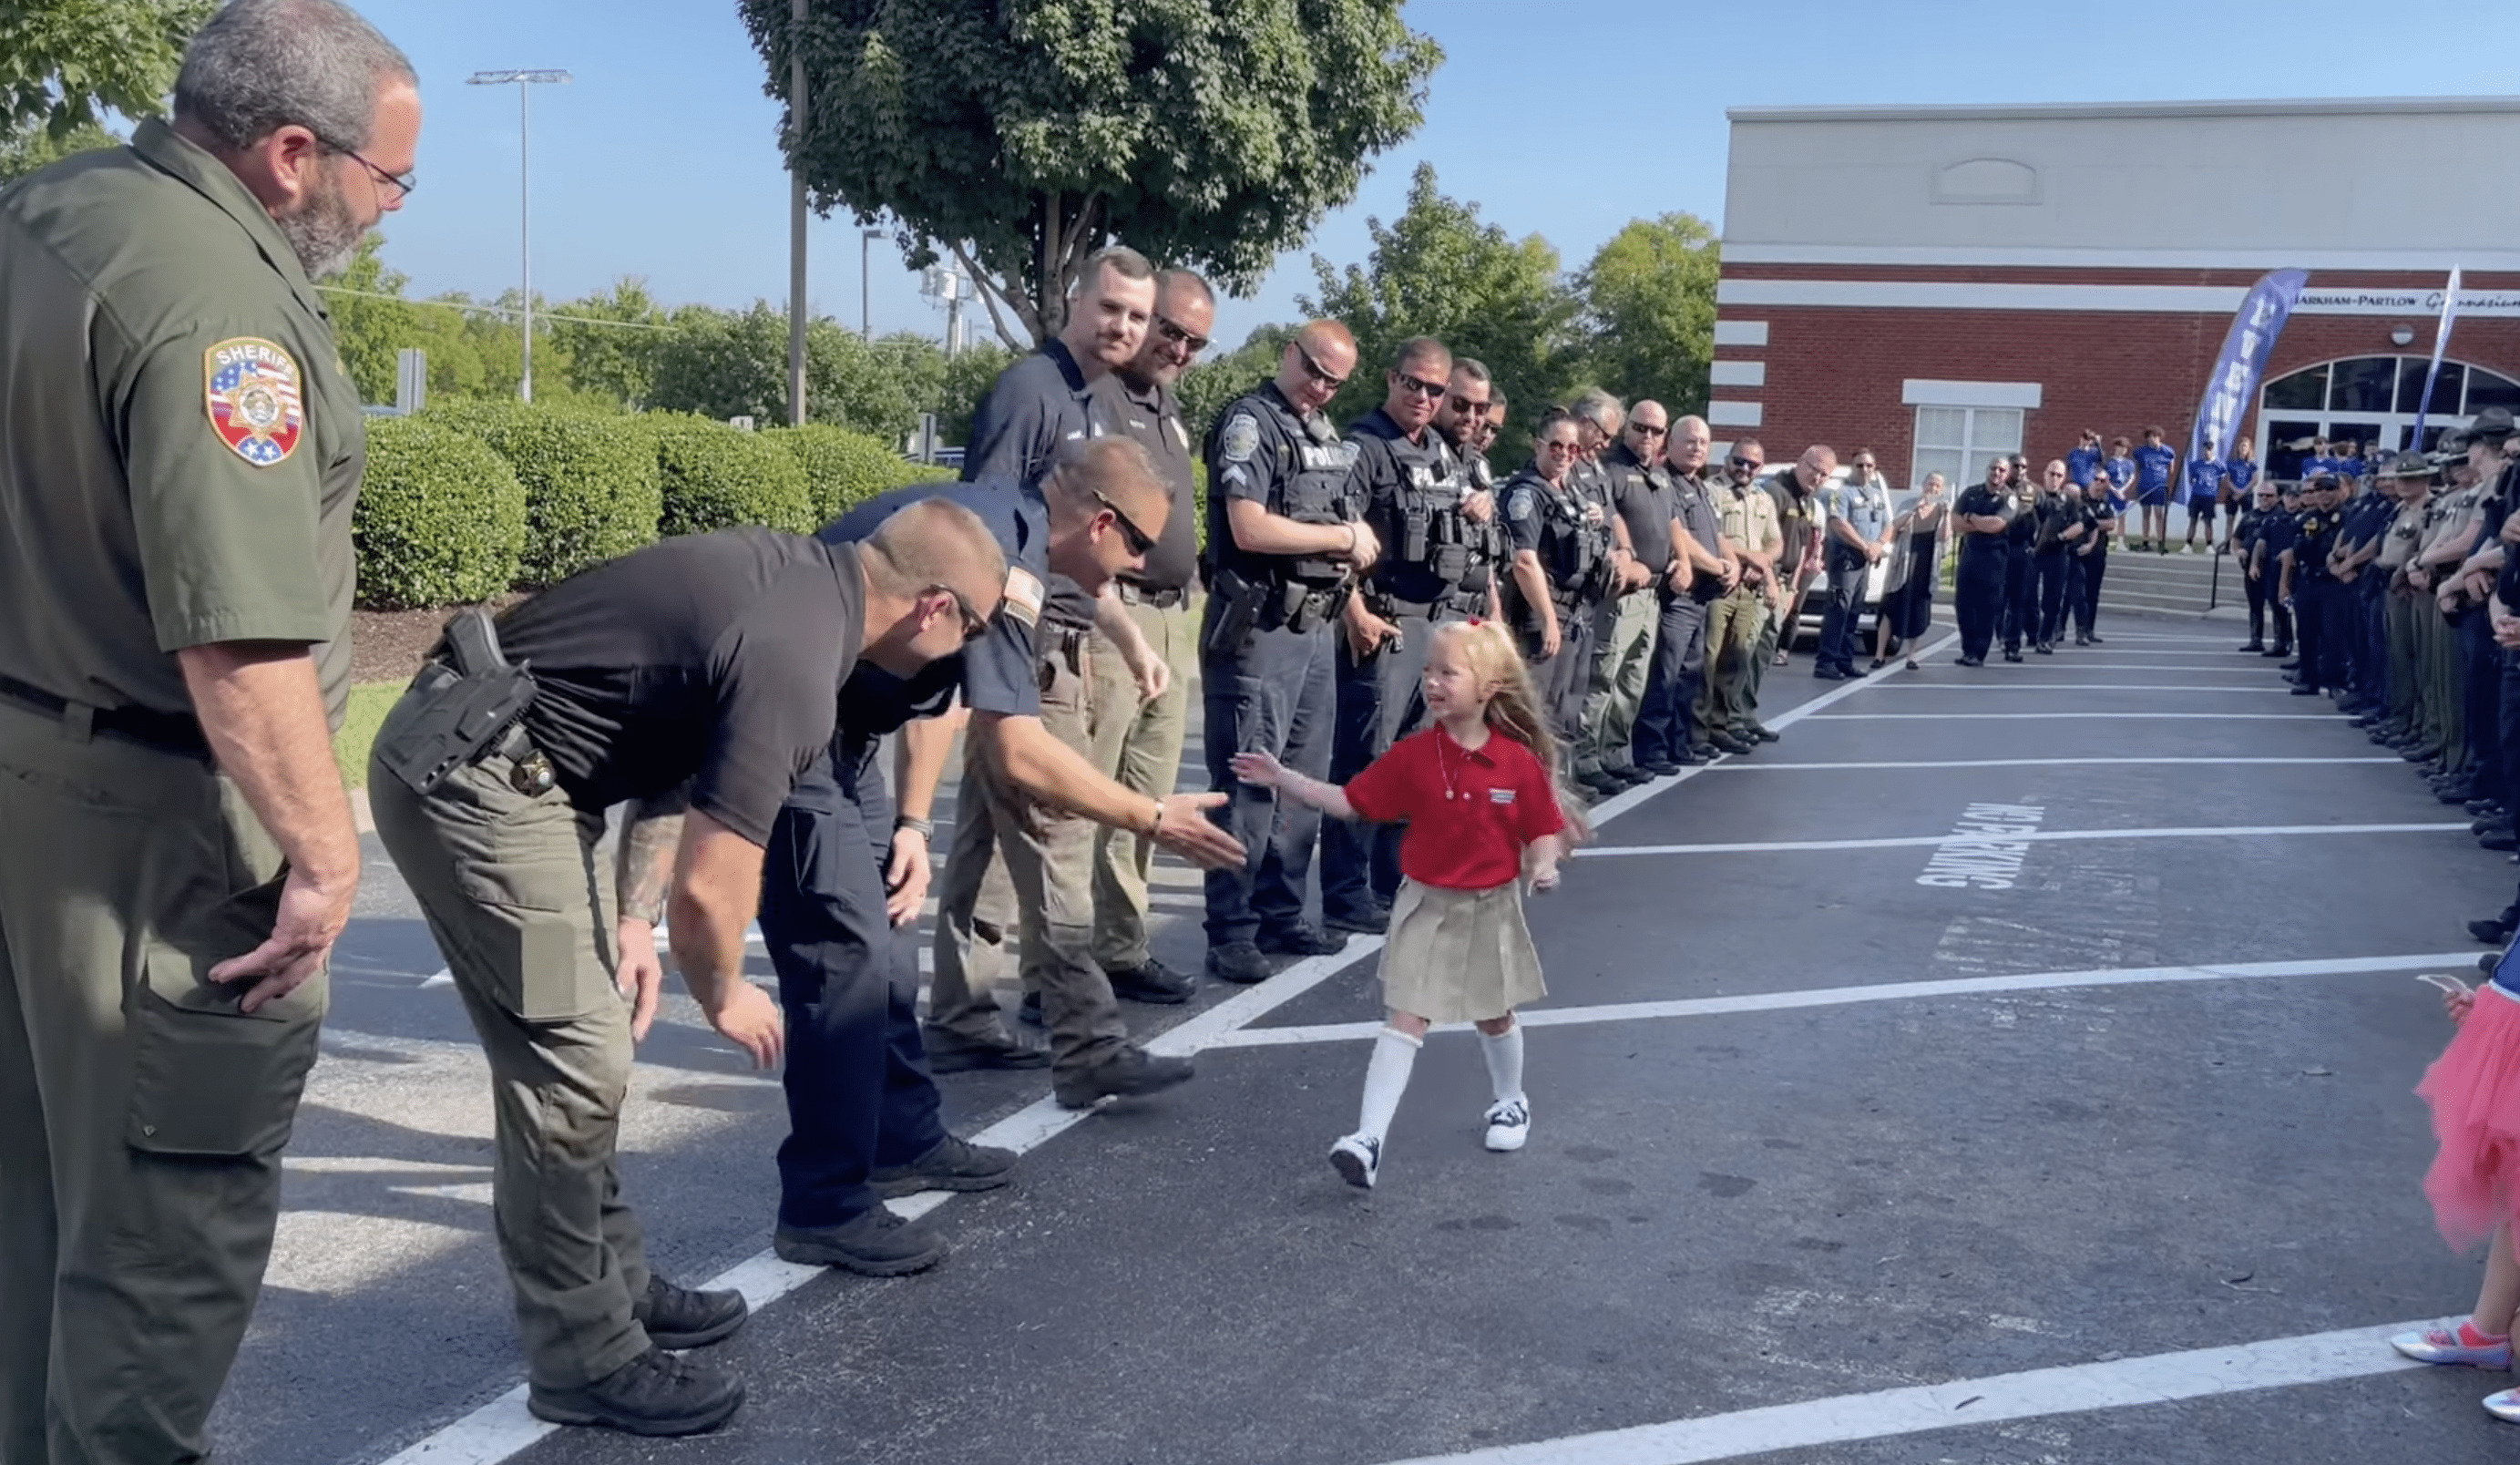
644,873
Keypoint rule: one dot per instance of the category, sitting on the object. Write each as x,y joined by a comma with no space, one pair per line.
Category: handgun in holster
468,700
1237,612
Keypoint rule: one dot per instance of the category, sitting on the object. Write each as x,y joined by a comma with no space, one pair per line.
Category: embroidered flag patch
252,393
1023,595
1500,795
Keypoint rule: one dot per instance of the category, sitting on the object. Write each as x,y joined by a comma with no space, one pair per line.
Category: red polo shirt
1469,813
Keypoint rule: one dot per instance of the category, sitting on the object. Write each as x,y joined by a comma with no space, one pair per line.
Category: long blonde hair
1513,704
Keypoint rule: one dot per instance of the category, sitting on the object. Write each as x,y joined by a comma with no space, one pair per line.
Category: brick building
1942,283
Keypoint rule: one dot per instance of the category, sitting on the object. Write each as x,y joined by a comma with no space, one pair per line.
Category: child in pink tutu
1483,812
2474,1183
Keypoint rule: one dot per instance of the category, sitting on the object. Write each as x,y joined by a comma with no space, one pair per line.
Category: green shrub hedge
591,481
441,521
714,477
844,468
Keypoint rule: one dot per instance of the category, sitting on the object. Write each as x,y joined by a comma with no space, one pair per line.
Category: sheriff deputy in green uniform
179,453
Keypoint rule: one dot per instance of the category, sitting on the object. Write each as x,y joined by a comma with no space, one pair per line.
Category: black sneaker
678,1318
1238,962
1763,734
1129,1073
1827,674
2045,649
2093,637
949,1051
1702,751
2490,932
2012,654
1725,742
874,1243
1372,922
1600,782
1151,982
655,1393
1300,940
2253,646
1659,770
1630,776
954,1164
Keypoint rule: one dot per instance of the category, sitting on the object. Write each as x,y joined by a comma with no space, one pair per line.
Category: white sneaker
1508,1125
1357,1158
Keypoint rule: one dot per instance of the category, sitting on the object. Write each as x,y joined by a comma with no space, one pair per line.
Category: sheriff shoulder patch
253,393
1023,595
1240,438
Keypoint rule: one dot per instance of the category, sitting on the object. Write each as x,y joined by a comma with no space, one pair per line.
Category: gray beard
323,235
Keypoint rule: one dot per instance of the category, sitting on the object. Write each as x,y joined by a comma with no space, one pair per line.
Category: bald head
936,542
1315,363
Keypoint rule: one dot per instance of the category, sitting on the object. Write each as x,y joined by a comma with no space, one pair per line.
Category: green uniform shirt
180,448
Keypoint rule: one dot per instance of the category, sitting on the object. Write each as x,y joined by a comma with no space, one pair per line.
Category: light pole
795,215
524,81
866,281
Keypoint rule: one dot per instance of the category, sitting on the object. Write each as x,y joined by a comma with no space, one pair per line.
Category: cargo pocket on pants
208,1079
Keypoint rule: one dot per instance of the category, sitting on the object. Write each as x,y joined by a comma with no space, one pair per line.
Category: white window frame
1986,433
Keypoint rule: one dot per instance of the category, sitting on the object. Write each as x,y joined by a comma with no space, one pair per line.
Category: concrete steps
2171,584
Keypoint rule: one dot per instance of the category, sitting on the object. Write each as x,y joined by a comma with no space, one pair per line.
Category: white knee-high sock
1505,1062
1387,1078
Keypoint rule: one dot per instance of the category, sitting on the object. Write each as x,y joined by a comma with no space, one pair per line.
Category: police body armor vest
1435,536
1319,491
1576,555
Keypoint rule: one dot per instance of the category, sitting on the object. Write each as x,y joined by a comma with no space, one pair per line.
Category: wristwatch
923,828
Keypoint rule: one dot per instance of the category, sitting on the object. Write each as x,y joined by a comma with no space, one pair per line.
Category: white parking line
2078,1389
1879,992
2073,686
2037,836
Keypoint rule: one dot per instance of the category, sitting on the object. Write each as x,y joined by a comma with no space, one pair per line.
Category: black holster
469,699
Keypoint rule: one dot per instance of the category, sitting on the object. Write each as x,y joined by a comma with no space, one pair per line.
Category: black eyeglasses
973,626
1642,430
1420,386
1173,332
1319,373
403,183
1140,544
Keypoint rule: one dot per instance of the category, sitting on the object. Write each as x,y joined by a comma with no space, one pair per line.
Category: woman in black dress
1916,563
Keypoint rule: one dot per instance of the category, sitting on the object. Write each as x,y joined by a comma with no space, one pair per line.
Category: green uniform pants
1623,647
517,901
1143,753
1732,630
1774,630
142,1115
2448,680
2397,622
1049,857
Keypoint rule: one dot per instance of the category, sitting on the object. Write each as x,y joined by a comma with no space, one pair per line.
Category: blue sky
662,160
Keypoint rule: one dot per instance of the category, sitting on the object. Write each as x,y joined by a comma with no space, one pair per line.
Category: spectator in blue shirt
2204,490
2084,460
2239,477
2121,469
2153,463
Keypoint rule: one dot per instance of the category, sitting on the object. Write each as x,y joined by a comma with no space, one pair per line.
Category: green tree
1020,135
722,364
1650,311
1438,271
30,147
372,320
967,378
64,63
616,362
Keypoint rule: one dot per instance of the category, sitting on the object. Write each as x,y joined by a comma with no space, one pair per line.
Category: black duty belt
1133,594
175,732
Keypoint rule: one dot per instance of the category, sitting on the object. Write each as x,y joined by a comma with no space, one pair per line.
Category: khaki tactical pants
1143,753
1733,627
1623,647
142,1114
1049,857
518,903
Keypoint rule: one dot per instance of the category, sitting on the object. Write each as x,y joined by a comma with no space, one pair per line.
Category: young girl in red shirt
1484,814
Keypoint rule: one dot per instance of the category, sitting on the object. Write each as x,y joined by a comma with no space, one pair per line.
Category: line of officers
2398,598
2031,560
1648,596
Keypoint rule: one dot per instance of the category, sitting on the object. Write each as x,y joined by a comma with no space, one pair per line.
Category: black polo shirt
715,660
1151,417
1642,494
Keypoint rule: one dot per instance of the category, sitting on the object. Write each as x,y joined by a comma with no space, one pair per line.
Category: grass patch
369,703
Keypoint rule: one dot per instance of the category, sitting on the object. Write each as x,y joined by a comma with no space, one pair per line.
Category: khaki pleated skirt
1459,956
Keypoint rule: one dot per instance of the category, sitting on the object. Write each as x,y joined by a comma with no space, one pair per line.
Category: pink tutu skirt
2474,1090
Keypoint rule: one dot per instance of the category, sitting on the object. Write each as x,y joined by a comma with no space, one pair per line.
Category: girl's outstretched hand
1257,768
1543,875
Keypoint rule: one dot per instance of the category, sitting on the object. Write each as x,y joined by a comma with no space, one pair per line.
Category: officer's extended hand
905,880
746,1017
1149,670
637,972
1478,506
1187,832
312,915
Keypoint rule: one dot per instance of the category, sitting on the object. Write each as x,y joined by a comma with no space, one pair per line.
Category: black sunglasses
1180,337
1420,386
1644,432
1748,465
973,626
1140,544
1319,373
403,183
1464,404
